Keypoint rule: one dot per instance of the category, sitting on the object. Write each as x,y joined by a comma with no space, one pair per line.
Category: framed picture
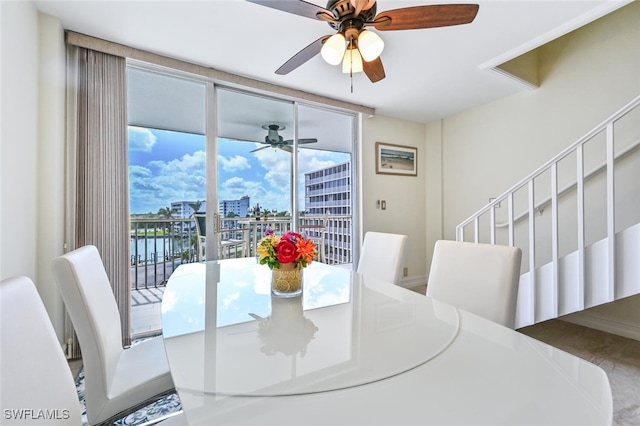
396,159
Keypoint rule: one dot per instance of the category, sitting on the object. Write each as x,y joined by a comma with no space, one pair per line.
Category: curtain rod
105,46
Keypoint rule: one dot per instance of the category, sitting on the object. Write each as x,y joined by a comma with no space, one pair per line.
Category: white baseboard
410,282
606,324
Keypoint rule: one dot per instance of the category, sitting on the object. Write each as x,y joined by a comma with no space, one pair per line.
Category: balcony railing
158,246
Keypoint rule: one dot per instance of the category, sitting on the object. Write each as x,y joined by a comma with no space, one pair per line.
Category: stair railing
551,202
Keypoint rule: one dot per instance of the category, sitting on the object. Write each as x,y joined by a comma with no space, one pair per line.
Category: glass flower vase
286,281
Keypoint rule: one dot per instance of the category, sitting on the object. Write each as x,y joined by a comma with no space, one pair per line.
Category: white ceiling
431,73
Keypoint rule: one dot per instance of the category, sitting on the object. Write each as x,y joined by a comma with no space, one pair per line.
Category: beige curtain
98,177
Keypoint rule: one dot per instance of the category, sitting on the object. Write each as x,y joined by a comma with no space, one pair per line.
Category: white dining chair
382,256
227,239
201,230
34,372
480,278
117,380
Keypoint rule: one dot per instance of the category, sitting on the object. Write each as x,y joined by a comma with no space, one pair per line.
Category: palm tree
166,212
196,206
256,210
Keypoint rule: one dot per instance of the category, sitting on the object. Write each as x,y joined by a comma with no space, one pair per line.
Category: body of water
152,250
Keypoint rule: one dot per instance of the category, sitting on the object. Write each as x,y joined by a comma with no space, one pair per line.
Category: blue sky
166,166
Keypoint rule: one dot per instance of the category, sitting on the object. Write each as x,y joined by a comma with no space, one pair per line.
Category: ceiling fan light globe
333,49
370,45
352,62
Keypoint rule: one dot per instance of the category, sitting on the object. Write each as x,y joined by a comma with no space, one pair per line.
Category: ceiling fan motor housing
272,136
343,10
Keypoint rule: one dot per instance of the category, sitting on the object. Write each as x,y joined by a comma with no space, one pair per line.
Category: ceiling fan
274,140
357,48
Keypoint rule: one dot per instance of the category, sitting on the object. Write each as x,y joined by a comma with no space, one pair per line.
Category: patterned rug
167,405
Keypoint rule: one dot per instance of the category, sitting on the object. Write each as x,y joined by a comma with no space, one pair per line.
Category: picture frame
394,159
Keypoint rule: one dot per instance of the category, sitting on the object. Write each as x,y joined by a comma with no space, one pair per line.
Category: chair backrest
201,223
382,256
33,370
87,294
479,278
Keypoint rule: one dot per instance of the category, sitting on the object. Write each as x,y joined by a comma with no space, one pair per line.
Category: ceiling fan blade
307,140
430,16
302,56
286,148
298,7
360,5
374,70
261,148
303,140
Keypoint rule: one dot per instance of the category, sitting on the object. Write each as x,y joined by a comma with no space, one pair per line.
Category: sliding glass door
325,174
255,163
167,183
212,168
283,165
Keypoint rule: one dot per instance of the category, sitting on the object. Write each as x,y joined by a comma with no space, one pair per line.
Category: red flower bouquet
291,248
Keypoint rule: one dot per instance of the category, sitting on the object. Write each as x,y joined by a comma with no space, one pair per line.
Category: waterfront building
238,207
185,210
328,196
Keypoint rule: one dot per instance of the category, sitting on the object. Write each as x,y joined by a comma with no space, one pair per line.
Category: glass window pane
324,182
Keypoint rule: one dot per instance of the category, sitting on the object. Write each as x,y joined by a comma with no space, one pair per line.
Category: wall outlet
405,272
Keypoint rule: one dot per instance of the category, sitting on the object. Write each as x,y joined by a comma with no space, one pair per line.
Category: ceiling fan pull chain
351,71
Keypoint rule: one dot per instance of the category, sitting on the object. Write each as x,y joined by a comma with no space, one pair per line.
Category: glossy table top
340,333
364,353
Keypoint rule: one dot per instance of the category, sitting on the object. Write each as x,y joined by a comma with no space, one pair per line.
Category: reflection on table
358,353
243,341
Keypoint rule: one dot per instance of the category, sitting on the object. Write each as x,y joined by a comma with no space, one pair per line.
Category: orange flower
306,250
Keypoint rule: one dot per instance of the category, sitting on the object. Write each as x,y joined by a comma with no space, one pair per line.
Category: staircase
577,221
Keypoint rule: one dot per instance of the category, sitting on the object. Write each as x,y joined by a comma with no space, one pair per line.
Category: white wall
51,161
32,149
585,77
19,140
434,209
405,195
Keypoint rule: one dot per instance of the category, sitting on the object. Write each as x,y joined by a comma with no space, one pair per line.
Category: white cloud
237,187
159,183
277,163
139,171
162,182
141,139
228,301
310,160
233,164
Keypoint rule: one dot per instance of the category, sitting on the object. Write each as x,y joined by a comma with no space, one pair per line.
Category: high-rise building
185,210
238,207
328,193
